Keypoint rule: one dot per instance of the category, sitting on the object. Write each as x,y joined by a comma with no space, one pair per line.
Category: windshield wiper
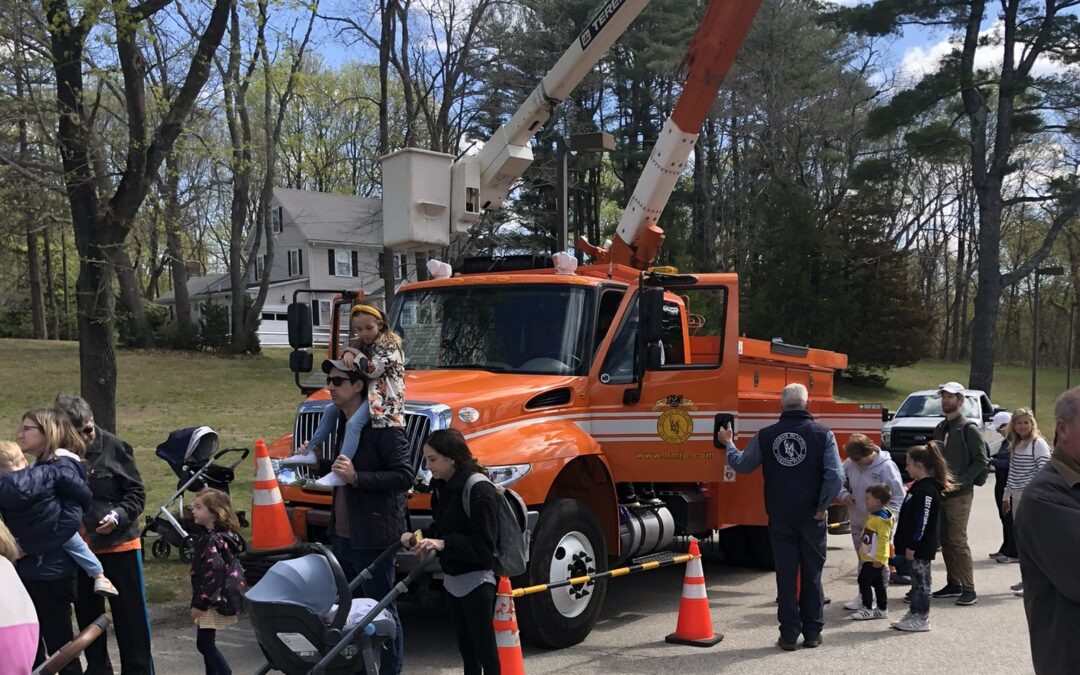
477,366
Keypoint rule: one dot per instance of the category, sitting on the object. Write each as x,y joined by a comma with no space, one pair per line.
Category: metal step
662,556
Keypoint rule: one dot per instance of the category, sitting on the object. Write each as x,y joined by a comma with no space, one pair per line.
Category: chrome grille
417,428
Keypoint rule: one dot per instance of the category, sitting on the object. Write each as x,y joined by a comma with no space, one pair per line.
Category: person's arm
846,484
68,480
396,473
1041,452
747,460
896,485
479,546
832,478
133,493
977,460
385,355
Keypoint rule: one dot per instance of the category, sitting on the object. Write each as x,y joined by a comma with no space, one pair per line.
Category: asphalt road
990,637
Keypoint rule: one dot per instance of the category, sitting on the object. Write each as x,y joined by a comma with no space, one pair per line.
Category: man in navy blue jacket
801,466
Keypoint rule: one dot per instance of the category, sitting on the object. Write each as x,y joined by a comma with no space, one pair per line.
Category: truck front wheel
568,543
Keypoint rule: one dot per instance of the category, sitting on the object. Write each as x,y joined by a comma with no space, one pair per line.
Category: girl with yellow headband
376,352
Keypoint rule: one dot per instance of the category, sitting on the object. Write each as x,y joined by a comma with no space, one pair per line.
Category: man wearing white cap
965,451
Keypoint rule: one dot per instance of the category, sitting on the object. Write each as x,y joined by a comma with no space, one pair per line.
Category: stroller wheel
187,549
161,549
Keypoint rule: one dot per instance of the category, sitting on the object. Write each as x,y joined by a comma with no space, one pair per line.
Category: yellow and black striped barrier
618,572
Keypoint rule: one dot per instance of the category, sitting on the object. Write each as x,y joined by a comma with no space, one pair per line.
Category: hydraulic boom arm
722,31
485,179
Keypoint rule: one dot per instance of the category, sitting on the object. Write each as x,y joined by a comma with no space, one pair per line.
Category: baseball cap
330,364
952,388
1000,418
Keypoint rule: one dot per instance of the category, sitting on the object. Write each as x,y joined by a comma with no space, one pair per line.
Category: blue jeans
78,551
799,552
353,561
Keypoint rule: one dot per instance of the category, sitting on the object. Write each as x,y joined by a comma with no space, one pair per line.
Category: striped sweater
1025,460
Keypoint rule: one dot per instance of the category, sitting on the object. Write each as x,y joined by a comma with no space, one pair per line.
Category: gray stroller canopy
305,582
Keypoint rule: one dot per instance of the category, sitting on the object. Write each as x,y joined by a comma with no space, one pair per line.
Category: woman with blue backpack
465,541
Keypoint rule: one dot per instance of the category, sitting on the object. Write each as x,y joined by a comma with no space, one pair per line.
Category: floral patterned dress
384,369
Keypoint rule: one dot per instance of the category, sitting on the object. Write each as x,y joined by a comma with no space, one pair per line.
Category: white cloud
920,61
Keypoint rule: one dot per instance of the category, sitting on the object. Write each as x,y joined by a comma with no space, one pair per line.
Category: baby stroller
192,454
306,620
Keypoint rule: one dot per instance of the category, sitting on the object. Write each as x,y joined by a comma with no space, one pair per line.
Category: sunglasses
87,430
337,381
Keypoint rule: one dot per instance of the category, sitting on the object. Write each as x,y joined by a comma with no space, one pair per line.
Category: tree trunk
39,330
50,286
93,291
988,291
129,293
174,250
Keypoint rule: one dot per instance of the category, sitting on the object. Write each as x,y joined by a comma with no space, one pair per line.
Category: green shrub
214,327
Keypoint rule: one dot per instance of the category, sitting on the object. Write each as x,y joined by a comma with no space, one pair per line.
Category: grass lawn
242,398
245,398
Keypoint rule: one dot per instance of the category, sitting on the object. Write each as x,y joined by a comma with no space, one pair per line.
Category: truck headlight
886,437
508,474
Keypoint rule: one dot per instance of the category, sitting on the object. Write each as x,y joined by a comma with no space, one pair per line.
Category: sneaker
1019,593
912,624
306,459
996,555
1017,586
907,597
786,646
330,480
900,580
1007,559
865,614
102,586
967,598
856,603
812,641
949,591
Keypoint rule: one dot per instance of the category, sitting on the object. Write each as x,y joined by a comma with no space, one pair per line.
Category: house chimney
193,267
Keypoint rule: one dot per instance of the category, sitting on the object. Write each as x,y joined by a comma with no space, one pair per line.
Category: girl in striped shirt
1028,452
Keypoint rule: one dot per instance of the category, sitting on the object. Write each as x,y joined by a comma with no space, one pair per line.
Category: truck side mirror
299,317
300,361
886,416
652,312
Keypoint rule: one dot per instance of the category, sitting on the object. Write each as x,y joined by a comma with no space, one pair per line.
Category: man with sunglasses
369,512
112,526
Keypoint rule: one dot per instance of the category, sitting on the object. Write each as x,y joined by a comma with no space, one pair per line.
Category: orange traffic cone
270,527
507,637
695,620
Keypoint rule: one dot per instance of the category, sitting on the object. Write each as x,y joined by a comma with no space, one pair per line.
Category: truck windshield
929,405
506,329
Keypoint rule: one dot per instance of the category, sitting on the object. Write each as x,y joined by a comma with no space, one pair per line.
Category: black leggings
212,656
472,619
872,581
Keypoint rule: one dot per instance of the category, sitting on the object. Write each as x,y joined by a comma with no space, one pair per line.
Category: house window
402,267
260,267
296,262
343,263
321,313
276,219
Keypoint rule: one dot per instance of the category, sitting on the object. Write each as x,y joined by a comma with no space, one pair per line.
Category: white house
321,241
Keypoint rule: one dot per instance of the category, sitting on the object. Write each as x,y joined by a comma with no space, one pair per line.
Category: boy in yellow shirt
874,553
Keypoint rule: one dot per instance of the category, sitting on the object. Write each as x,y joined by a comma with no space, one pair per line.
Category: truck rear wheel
568,542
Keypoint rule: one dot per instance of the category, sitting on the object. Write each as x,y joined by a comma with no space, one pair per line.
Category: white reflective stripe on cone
694,591
693,568
264,470
506,639
266,497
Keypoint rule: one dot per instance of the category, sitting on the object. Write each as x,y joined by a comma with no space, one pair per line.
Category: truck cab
914,421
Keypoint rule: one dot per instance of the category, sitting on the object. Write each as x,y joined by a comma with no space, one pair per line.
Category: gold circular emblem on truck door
675,425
